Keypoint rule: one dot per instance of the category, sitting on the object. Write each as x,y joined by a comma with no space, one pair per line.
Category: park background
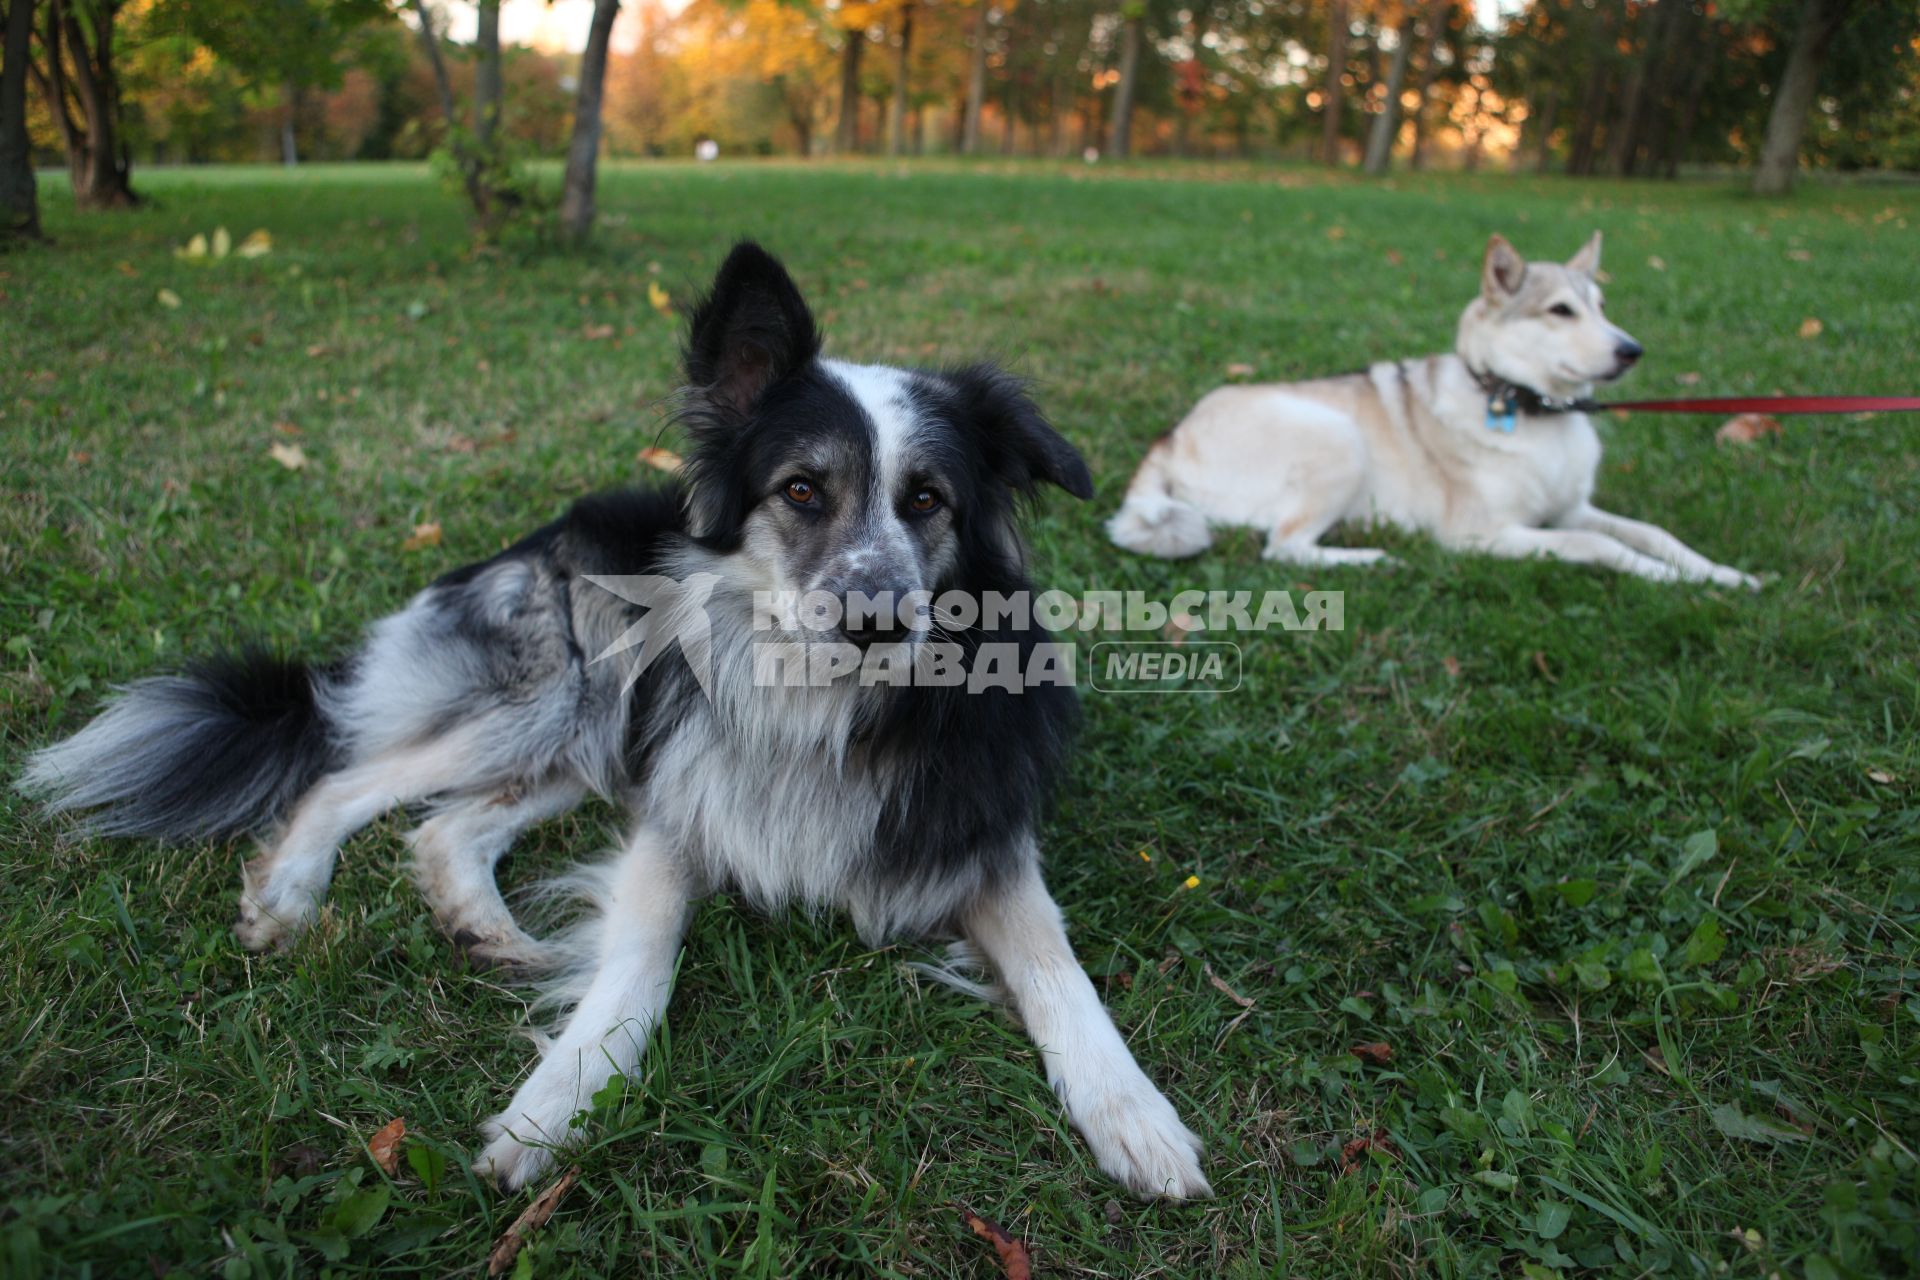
1542,923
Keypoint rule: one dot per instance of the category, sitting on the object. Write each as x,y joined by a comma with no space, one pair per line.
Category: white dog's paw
508,1161
271,914
1139,1140
1728,576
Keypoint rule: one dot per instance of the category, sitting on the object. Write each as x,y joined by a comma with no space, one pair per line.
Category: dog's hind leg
1134,1132
282,888
644,899
454,855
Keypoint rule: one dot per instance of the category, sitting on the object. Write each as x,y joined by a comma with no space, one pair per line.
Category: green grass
1627,875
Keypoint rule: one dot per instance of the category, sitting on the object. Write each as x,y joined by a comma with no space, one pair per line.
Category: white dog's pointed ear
1504,270
1587,261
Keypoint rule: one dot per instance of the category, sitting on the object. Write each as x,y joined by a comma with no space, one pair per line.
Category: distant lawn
1627,876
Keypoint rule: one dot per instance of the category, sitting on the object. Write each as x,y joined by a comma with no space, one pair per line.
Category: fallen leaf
258,244
1394,258
290,456
1336,232
168,299
531,1219
423,536
1811,327
1224,989
1800,255
659,298
317,350
1880,776
1540,665
195,248
1452,664
126,268
384,1146
1746,429
596,332
660,459
1691,378
1179,627
1015,1261
1376,1053
222,242
80,458
286,428
1238,370
1657,262
1355,1151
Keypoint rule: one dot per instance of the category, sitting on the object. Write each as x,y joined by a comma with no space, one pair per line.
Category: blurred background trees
1615,87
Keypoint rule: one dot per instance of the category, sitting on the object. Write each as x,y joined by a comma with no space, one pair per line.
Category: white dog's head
1539,324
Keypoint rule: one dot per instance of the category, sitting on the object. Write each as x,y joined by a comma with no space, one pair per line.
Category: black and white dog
912,807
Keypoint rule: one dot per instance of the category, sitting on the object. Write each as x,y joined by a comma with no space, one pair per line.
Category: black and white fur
913,809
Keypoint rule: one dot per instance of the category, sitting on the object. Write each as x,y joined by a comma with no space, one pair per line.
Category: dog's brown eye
800,492
924,501
1562,309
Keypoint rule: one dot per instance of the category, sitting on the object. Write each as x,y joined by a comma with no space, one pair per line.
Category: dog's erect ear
1019,443
1504,270
751,330
1587,261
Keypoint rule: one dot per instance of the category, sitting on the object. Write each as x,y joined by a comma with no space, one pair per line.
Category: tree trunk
289,140
96,156
1335,94
1543,140
976,82
1820,21
1120,139
897,118
1429,71
1387,124
583,148
19,192
463,158
1581,150
486,74
849,133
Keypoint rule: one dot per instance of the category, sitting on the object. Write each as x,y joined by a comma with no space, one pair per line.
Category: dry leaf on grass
596,332
1015,1261
1239,370
1179,627
1811,327
531,1219
1540,665
1882,777
1657,262
660,459
258,244
659,298
1374,1052
168,299
1354,1153
1224,989
384,1146
1691,378
1452,664
423,536
1746,429
290,456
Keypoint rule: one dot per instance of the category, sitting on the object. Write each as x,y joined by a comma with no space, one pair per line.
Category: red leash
1775,404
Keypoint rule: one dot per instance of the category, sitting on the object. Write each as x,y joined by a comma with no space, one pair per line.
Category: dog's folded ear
1587,261
751,330
1504,271
1015,437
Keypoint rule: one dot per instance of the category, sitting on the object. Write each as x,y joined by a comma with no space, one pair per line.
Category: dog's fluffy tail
1154,522
223,747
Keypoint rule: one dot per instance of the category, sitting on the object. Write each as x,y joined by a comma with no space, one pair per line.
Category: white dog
1487,449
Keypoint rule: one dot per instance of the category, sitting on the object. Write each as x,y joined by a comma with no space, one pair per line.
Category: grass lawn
1627,876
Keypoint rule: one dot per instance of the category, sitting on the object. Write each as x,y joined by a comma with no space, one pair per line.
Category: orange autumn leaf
384,1146
1375,1052
531,1219
1239,370
1746,429
660,459
1354,1153
1811,327
290,456
423,536
1015,1261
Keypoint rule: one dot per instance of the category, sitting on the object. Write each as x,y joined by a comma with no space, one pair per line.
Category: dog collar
1507,400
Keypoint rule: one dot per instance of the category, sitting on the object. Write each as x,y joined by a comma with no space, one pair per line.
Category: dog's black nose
870,618
1627,352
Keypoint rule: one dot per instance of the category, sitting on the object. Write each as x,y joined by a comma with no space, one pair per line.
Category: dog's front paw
271,915
1139,1140
1728,576
508,1161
